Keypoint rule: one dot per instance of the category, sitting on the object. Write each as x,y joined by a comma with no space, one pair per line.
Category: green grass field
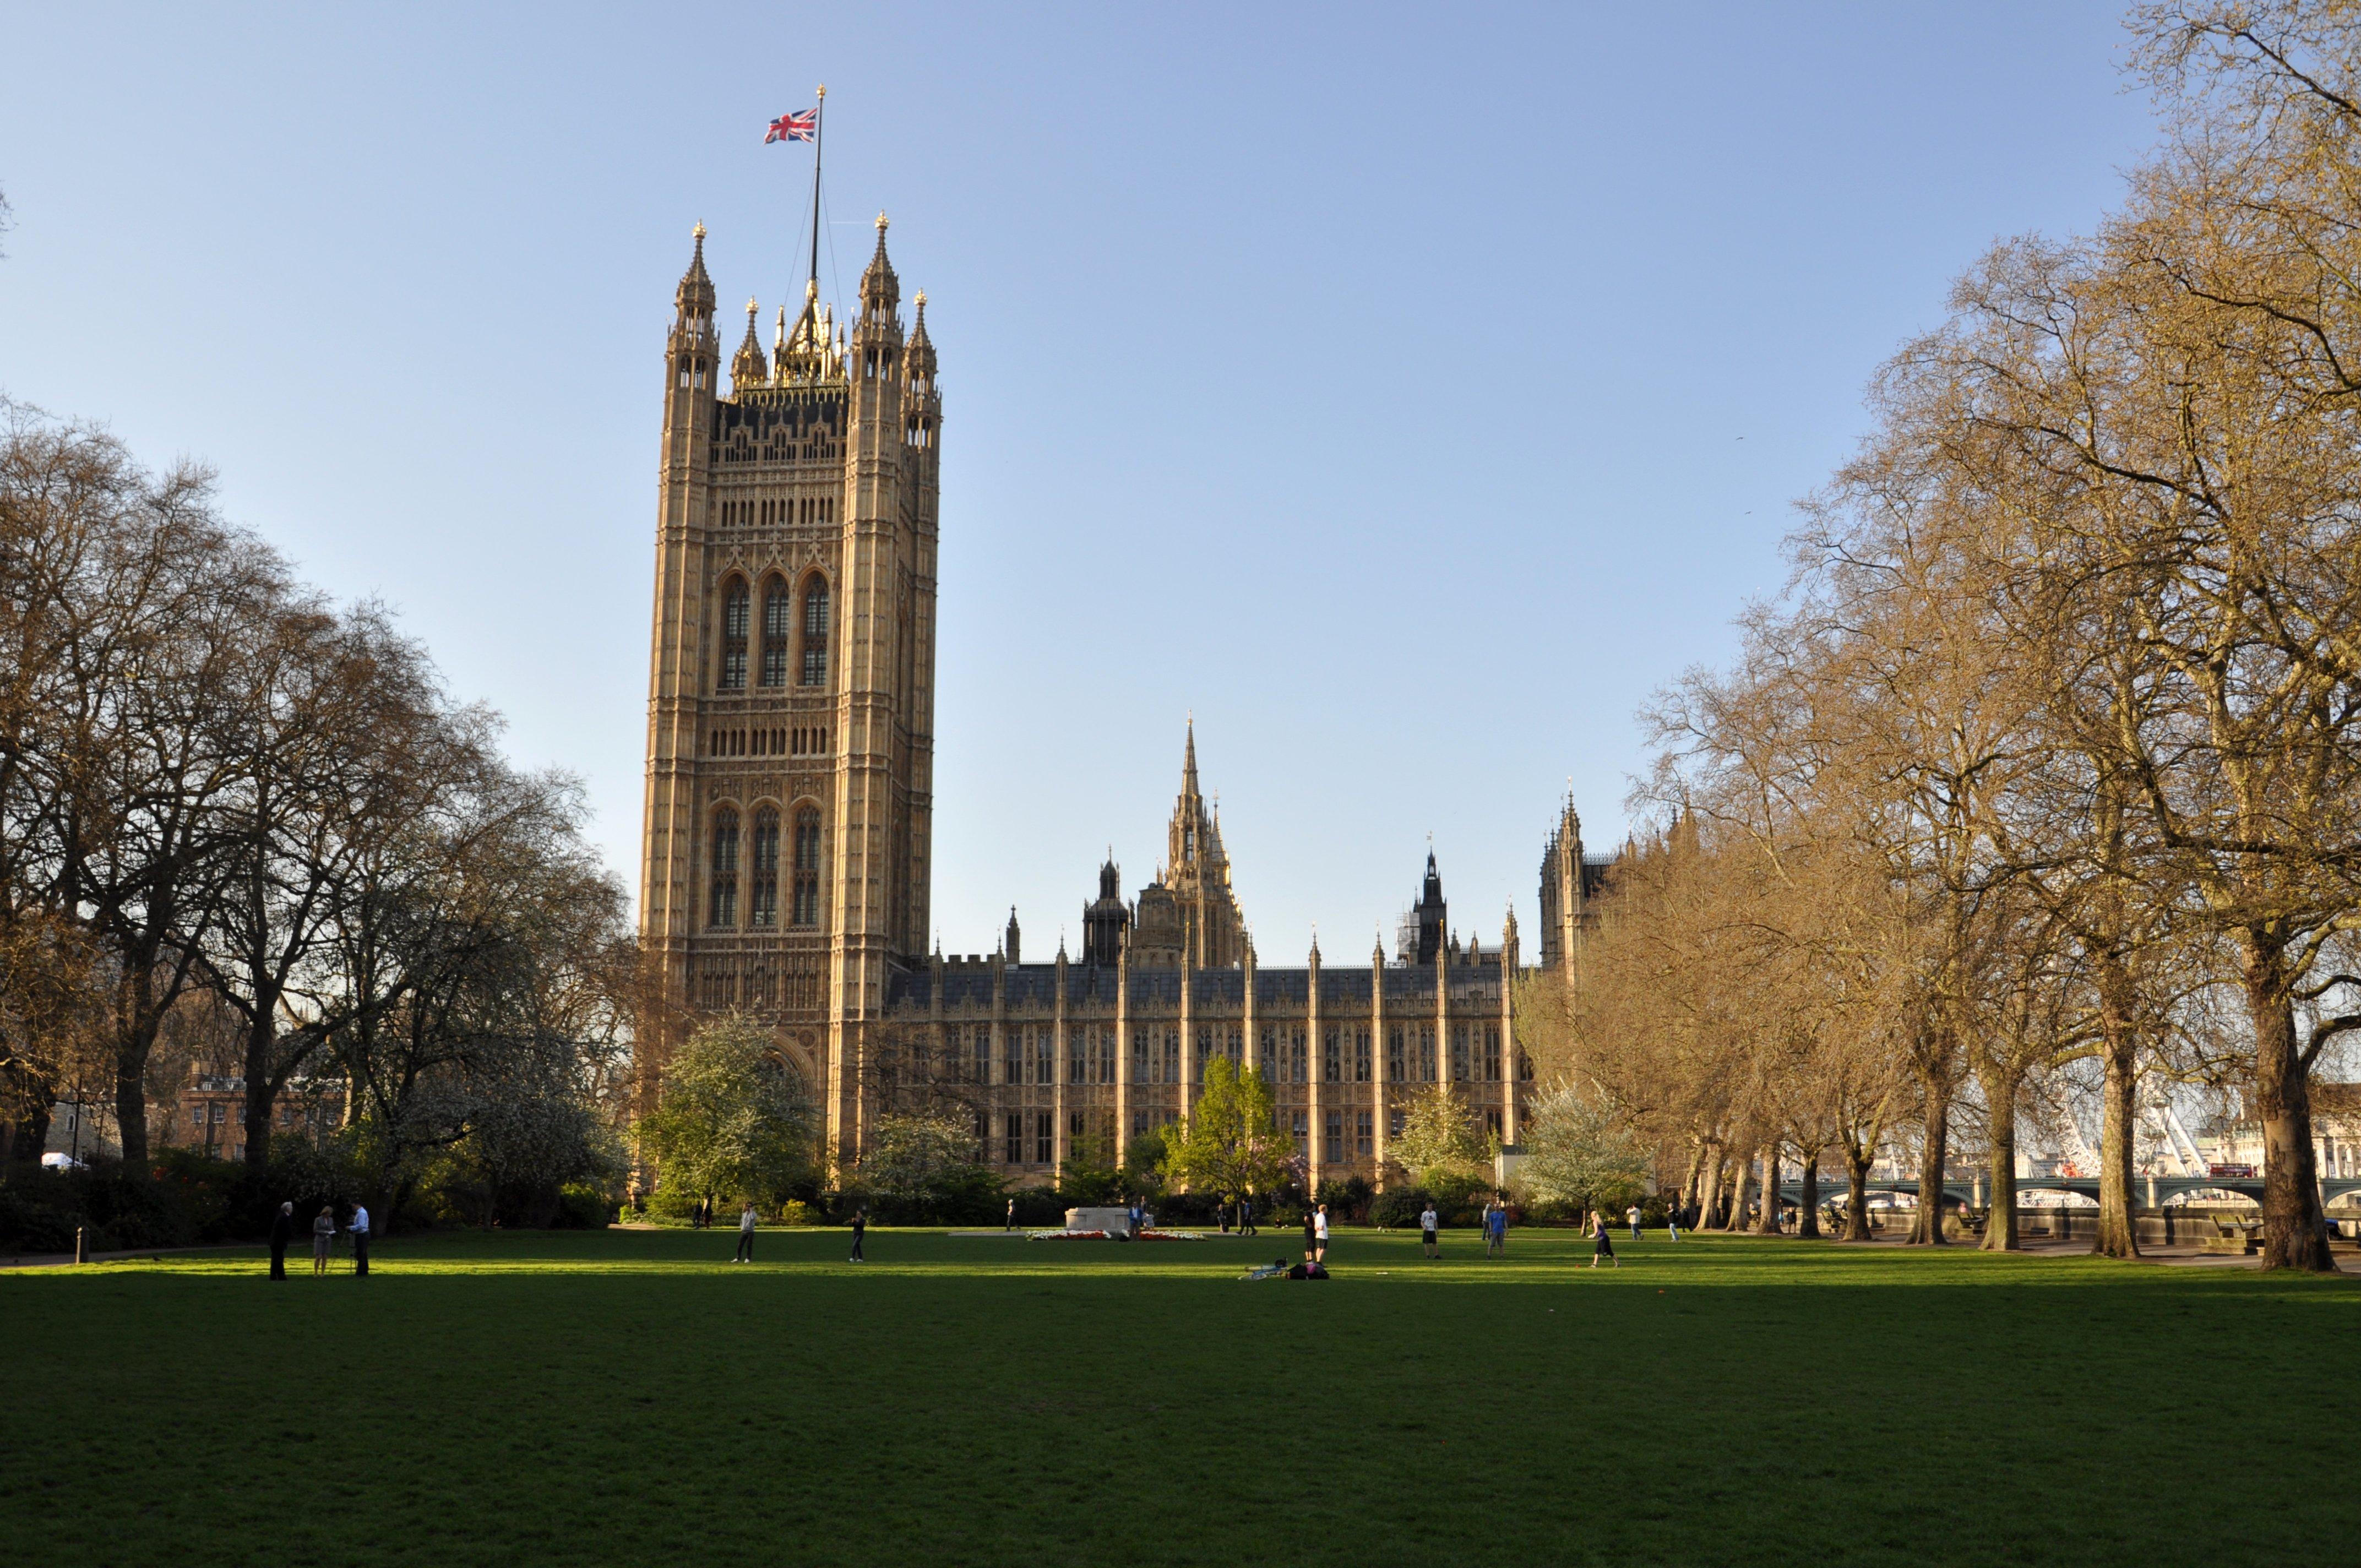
632,1398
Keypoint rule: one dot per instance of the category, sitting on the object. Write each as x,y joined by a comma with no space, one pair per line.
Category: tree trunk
131,1107
1769,1224
1741,1182
1687,1194
2295,1233
1807,1196
261,1038
1708,1213
2000,1101
2118,1235
1927,1230
1857,1194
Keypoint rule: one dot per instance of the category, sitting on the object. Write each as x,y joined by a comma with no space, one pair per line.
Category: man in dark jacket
282,1230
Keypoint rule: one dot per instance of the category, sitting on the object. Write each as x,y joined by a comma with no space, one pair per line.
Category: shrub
1349,1200
1399,1208
583,1206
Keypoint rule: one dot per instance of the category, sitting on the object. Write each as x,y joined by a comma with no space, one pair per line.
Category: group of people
747,1218
324,1239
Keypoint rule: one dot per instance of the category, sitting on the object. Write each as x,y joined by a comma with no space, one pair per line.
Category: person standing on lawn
745,1233
282,1230
1603,1243
323,1235
1246,1215
1311,1234
1496,1228
1010,1224
1428,1222
1634,1215
860,1229
1320,1235
360,1229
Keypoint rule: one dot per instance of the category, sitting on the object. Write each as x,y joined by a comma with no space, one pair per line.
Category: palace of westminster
789,811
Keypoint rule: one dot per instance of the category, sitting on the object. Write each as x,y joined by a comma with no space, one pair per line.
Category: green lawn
632,1398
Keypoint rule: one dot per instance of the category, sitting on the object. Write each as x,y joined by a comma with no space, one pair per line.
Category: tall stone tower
791,677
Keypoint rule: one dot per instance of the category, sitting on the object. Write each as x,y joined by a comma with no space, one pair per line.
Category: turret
748,368
1010,944
692,358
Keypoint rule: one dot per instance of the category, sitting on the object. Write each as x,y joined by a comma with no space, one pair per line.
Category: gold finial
698,232
922,299
750,307
881,223
823,92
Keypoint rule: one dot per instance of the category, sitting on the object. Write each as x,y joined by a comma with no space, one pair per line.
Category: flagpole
819,115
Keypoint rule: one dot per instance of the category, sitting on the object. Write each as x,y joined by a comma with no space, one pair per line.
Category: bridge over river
2158,1191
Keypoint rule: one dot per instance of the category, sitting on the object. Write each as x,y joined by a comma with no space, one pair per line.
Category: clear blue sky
1409,390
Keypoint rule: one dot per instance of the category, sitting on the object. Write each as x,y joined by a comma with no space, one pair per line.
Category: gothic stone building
788,819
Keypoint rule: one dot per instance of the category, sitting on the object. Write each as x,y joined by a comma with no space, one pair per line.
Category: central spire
1189,760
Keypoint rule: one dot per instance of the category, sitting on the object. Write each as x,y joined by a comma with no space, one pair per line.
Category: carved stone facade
787,835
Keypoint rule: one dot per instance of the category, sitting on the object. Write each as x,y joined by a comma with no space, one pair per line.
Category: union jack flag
793,127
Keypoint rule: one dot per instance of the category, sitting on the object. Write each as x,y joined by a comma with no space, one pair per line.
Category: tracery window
815,669
763,908
724,910
778,633
1492,1054
1361,1057
1297,1067
735,608
1394,1057
807,907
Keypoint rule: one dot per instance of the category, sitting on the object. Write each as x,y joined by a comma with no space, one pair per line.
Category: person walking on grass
1010,1224
860,1229
1428,1222
1632,1213
1603,1241
1246,1216
745,1233
360,1229
282,1230
1673,1221
1311,1234
1496,1228
1320,1235
323,1235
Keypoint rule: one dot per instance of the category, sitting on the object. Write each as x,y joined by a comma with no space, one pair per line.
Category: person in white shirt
1320,1235
1428,1222
360,1232
745,1233
1634,1215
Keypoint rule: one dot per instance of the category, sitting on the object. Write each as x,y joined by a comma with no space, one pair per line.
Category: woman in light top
324,1231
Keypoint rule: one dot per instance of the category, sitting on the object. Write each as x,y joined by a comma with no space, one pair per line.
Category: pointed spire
920,352
693,298
1189,759
748,368
880,290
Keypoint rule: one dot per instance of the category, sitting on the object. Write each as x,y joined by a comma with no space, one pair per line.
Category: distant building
208,1113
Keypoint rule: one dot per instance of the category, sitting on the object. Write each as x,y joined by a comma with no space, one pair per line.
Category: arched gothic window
735,608
724,911
815,671
806,910
778,633
763,909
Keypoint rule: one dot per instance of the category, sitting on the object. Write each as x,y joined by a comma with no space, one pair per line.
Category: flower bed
1110,1236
